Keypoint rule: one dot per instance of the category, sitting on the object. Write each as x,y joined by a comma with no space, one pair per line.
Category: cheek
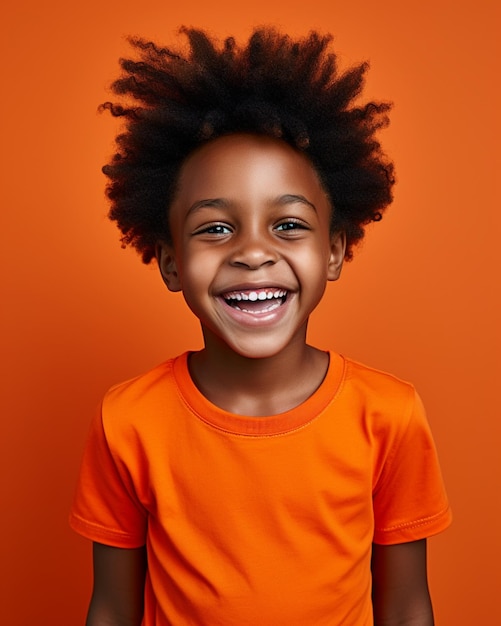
197,269
314,258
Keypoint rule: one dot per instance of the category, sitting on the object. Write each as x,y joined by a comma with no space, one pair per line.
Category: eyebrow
288,198
291,198
208,202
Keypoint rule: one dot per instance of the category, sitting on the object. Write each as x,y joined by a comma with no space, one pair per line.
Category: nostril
253,265
254,256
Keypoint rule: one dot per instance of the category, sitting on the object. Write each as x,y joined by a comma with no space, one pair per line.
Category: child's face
251,245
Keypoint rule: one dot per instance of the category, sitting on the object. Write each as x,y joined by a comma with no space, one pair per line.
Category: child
260,481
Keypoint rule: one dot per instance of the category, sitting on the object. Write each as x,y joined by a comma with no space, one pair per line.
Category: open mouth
256,301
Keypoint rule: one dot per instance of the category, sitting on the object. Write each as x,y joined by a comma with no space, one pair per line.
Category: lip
255,295
274,308
254,287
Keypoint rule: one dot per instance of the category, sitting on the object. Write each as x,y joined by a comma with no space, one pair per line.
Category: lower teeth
261,306
271,307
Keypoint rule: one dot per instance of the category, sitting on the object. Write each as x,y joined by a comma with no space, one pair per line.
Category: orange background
79,314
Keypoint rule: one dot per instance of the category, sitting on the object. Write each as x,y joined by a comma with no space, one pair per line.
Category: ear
168,268
336,258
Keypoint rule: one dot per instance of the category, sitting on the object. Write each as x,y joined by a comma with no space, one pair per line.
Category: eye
213,229
218,229
291,225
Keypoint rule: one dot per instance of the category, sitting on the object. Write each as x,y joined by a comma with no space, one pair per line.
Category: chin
257,349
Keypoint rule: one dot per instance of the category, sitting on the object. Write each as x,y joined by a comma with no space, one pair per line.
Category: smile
256,301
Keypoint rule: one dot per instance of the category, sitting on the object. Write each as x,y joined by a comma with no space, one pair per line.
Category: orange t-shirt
260,520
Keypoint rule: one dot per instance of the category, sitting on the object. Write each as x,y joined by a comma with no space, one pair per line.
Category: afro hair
274,85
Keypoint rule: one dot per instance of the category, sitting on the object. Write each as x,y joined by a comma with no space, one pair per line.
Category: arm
118,593
400,593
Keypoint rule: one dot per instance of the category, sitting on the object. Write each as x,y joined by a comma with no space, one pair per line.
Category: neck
258,387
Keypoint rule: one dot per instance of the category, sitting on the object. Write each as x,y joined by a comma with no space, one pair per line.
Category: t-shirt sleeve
106,508
409,498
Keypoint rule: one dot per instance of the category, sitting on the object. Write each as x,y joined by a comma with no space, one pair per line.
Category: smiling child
260,481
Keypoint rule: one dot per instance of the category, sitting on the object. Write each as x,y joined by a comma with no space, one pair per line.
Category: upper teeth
255,295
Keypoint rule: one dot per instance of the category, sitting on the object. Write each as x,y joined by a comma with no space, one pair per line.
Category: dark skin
400,590
118,592
400,594
117,596
251,216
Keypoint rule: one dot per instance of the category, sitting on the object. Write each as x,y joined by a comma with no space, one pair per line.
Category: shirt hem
415,530
107,536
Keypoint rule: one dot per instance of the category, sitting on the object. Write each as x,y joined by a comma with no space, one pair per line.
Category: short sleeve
106,508
409,498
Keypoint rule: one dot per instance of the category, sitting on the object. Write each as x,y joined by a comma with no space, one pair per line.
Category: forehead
243,164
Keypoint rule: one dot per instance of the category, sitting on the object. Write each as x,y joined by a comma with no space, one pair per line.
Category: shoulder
144,387
141,400
386,406
375,385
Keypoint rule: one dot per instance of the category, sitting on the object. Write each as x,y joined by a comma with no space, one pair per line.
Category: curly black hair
274,85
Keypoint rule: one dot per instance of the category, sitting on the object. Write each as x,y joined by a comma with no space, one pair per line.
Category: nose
253,251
